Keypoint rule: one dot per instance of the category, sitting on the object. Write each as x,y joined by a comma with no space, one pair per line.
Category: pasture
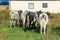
18,33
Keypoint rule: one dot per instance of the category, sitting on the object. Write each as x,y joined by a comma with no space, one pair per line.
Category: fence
4,17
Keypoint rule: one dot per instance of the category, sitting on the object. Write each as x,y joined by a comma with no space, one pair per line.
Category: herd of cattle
30,19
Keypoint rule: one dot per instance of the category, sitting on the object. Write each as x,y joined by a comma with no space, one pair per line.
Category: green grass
18,34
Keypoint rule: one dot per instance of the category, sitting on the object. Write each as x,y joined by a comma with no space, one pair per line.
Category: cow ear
18,11
21,11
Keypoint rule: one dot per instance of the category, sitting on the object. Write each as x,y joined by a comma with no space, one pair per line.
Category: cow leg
18,22
41,29
36,25
11,22
24,25
33,21
44,28
14,23
28,21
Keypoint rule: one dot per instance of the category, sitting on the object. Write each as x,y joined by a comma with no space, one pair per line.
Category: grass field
18,33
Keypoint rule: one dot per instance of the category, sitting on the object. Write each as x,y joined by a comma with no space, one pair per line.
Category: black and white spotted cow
23,18
29,19
31,16
43,21
49,14
20,20
14,17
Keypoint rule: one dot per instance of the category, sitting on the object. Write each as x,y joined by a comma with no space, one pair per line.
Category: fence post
3,19
3,34
3,30
48,32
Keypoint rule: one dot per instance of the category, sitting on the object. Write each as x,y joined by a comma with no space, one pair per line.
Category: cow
20,20
28,18
43,21
39,12
14,17
31,19
49,14
20,12
23,18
